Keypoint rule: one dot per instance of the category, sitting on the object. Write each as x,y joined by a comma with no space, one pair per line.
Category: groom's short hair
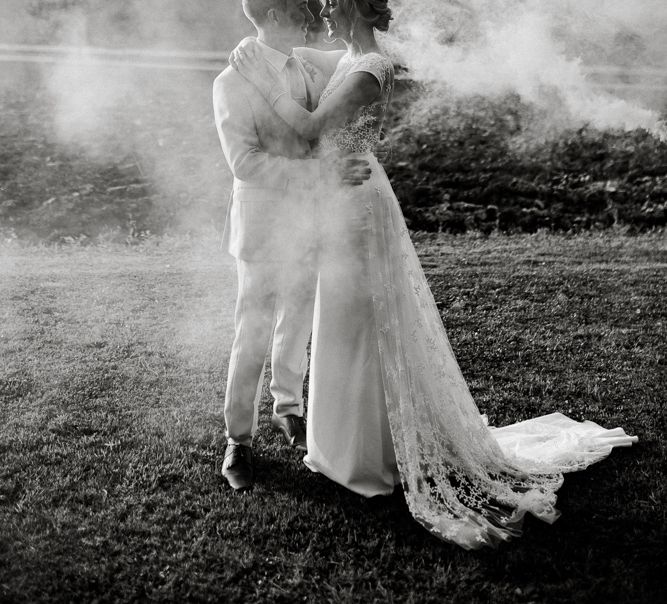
257,10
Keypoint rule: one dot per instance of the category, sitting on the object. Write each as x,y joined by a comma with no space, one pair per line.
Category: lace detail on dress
467,483
362,133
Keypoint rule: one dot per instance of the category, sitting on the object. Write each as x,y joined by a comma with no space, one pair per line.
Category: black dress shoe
238,467
293,428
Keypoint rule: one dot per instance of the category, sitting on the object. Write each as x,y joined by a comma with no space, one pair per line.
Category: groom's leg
294,320
254,316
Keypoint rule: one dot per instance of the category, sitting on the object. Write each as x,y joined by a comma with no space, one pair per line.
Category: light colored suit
270,230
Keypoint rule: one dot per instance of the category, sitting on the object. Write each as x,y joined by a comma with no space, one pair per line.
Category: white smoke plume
538,49
159,121
160,118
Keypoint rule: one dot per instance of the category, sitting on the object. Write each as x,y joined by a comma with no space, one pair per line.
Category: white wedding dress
387,400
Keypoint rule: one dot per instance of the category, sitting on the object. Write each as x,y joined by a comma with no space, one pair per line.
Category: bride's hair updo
374,12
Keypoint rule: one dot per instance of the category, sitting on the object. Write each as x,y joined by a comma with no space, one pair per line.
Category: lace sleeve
378,66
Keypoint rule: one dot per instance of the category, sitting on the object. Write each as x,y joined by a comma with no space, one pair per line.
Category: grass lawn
112,370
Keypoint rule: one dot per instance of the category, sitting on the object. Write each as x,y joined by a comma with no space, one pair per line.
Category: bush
477,164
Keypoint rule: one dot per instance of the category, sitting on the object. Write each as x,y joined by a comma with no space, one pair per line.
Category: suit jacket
271,214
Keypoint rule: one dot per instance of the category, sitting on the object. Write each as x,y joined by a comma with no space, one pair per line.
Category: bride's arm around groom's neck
237,125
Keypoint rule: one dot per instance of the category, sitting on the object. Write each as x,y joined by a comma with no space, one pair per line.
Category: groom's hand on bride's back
352,171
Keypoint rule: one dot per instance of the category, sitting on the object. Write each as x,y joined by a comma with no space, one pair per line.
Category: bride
387,401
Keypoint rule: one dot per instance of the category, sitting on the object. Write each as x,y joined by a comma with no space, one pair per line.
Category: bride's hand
248,46
250,63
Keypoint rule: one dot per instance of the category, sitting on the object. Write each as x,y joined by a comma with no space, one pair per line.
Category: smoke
540,50
157,119
201,25
152,128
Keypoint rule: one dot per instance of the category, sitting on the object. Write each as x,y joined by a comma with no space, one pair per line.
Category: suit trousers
275,299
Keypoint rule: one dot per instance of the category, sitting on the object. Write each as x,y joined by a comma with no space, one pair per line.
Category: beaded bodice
362,133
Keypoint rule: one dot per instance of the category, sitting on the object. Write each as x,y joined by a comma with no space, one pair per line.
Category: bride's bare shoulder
324,60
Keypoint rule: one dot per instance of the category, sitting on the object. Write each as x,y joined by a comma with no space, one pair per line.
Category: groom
270,230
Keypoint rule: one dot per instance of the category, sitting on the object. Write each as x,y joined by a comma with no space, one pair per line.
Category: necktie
297,83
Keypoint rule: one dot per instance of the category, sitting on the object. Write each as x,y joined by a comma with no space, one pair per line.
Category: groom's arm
240,144
249,162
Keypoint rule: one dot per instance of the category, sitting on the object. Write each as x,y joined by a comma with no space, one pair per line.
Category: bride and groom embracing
320,241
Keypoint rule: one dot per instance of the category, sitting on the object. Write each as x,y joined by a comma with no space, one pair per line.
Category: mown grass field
112,369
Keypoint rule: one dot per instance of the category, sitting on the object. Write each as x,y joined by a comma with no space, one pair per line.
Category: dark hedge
467,165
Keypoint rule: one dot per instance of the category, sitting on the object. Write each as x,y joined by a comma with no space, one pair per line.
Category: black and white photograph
333,301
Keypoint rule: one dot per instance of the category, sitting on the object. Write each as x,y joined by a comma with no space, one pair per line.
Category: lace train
467,483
